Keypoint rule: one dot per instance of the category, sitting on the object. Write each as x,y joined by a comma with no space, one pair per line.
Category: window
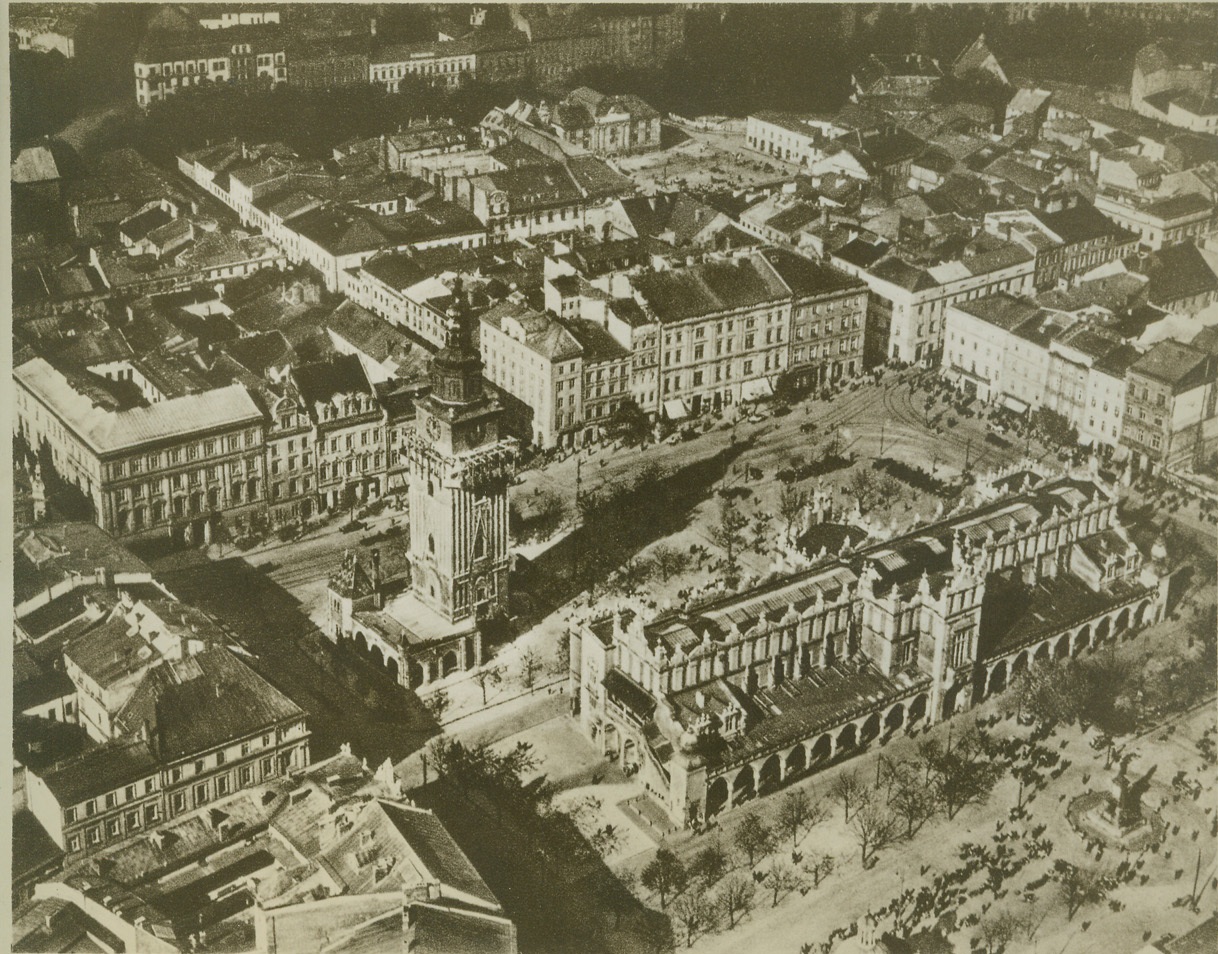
200,794
268,768
94,835
179,801
133,820
90,809
199,766
74,843
222,785
114,827
69,816
175,774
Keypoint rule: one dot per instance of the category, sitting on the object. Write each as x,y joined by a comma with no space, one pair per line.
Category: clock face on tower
433,428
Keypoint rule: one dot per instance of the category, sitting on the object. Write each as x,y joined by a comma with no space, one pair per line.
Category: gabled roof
1173,363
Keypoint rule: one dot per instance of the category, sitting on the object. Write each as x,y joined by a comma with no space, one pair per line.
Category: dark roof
901,273
1082,223
35,684
597,343
1003,310
33,849
99,770
1171,363
258,352
806,277
437,851
203,701
713,286
1175,272
1179,206
320,381
446,930
1203,939
625,691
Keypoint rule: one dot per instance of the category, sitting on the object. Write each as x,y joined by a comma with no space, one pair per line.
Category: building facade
721,702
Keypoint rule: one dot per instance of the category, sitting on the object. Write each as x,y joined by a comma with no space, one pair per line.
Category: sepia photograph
613,478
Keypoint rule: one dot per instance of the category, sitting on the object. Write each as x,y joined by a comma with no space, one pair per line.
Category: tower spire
456,370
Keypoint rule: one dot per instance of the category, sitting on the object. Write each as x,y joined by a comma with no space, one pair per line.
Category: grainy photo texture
601,478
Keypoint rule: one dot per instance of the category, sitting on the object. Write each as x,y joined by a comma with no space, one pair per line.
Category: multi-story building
720,702
1161,222
183,464
291,472
1067,242
1170,406
325,63
792,138
179,742
449,63
1174,81
533,357
1013,352
350,431
908,302
169,61
611,125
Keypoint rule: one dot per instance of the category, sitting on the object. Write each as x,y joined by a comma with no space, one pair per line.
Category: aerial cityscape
614,478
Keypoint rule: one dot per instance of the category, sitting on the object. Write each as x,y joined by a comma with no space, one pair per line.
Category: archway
917,708
611,745
391,663
770,776
1041,657
415,672
1020,664
1145,613
378,657
448,662
716,796
629,754
1061,649
847,738
1122,621
951,700
998,678
870,730
797,761
361,644
895,718
745,786
1080,641
823,749
1102,630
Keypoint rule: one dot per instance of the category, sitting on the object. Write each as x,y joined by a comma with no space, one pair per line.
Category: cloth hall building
717,703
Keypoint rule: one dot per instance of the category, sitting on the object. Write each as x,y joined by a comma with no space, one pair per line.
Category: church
458,471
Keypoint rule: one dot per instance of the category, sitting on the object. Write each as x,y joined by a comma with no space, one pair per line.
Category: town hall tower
460,468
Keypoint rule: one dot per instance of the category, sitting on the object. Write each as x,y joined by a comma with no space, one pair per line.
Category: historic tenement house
717,703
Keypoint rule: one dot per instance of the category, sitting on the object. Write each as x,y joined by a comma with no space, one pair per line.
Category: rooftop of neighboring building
1173,363
320,382
1178,206
1200,940
543,333
713,286
202,701
595,341
1001,310
370,333
54,552
1176,272
101,769
53,924
106,429
34,851
1082,223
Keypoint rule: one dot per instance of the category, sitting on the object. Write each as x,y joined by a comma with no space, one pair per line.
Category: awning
676,409
1014,404
758,388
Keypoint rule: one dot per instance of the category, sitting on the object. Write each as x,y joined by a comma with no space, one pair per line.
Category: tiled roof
319,382
713,286
1170,362
203,701
1176,272
101,769
1002,310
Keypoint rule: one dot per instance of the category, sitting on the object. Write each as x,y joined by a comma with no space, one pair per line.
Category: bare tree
874,825
668,560
998,930
819,867
780,880
695,913
1079,886
848,789
736,898
487,676
912,801
888,488
437,704
791,503
530,667
861,486
796,814
754,837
